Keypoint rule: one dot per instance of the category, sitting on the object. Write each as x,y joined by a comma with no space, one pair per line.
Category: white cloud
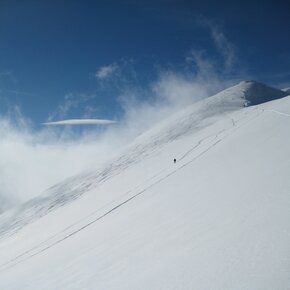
205,68
177,89
30,161
223,45
107,71
81,122
170,92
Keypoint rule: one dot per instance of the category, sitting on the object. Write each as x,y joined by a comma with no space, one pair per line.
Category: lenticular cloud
81,122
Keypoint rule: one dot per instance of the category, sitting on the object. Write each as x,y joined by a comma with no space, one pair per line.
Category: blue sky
78,58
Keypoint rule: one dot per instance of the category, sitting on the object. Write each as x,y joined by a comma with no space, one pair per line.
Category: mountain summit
257,93
249,93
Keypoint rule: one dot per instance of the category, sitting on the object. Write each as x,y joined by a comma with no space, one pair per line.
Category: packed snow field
218,218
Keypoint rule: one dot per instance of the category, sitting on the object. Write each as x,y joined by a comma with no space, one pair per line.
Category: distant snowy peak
206,111
248,93
258,93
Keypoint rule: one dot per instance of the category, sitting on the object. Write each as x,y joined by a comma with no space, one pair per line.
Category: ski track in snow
68,232
278,112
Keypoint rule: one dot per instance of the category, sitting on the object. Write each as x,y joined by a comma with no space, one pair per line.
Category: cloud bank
31,161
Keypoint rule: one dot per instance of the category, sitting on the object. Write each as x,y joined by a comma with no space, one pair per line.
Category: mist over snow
32,161
171,91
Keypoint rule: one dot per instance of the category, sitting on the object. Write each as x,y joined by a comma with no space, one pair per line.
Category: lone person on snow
174,160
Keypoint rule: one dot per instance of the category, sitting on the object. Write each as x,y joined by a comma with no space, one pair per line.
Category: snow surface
217,219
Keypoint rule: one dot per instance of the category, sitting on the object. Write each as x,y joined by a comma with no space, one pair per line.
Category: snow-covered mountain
218,218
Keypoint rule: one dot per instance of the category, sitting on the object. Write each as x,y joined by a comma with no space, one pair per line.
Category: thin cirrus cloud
71,101
224,46
81,122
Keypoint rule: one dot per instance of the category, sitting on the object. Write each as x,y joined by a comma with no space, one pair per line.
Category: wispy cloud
177,89
205,68
70,102
223,45
171,91
31,161
106,71
81,122
116,74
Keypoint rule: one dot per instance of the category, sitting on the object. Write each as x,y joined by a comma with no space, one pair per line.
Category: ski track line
234,124
278,112
10,263
194,147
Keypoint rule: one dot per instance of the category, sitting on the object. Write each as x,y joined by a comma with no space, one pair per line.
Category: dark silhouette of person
174,160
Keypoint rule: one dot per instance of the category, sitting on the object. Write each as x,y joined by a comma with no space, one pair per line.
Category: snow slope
217,219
